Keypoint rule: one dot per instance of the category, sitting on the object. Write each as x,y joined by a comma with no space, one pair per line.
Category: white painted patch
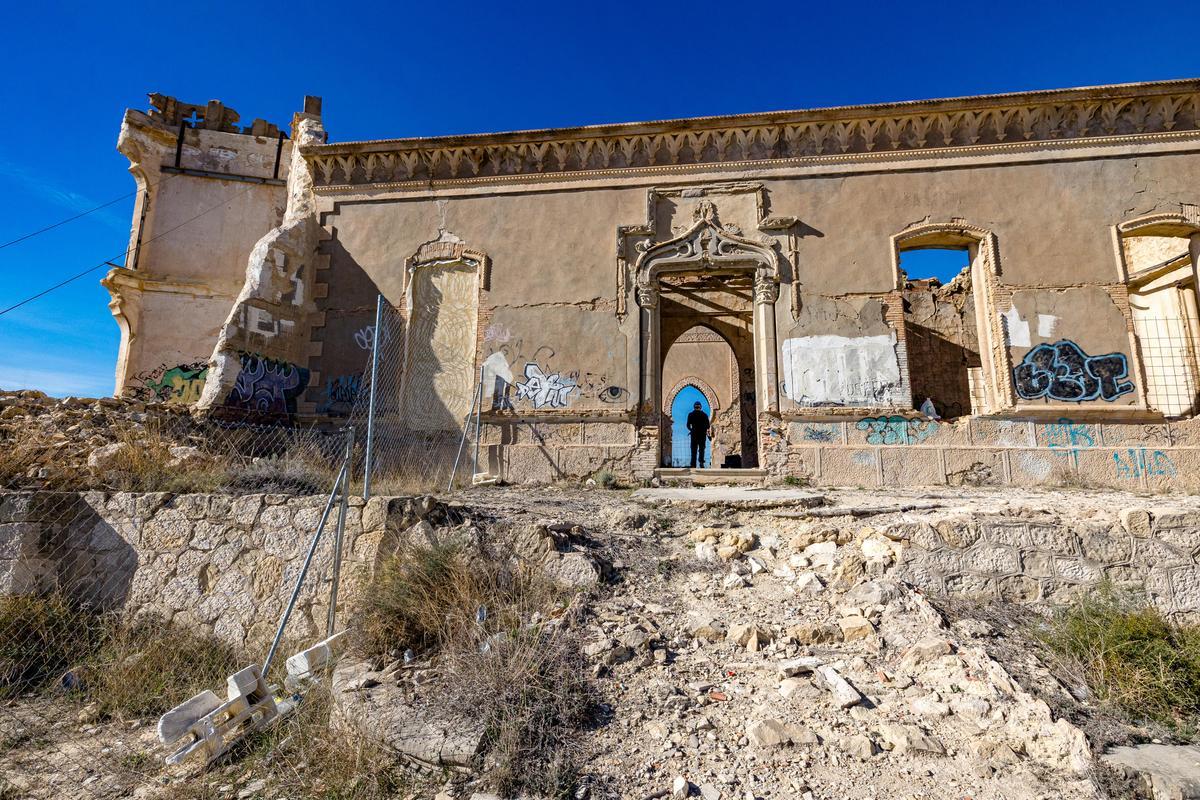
1018,329
841,370
1046,325
494,366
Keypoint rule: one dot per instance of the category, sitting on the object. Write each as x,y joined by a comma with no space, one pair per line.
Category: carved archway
697,383
707,247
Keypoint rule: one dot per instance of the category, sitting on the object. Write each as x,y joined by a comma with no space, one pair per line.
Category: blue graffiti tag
267,386
340,395
896,429
1062,371
1140,461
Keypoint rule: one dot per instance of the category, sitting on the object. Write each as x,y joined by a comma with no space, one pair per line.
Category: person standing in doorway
697,425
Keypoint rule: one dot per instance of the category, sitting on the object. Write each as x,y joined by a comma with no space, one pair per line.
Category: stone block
1018,589
1054,538
1136,521
581,462
1038,565
849,466
1004,532
523,464
990,559
244,510
1031,467
974,467
618,433
912,466
1076,570
815,433
1001,432
1107,547
970,585
943,562
25,576
19,540
960,532
1155,553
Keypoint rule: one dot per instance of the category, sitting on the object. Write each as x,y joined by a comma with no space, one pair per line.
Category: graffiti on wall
841,370
267,386
896,429
1140,461
179,384
545,391
340,394
1063,371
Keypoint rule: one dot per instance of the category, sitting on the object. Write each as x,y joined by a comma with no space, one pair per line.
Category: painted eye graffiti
613,394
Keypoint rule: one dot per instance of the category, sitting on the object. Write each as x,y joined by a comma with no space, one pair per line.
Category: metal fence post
312,548
369,459
466,429
340,535
478,414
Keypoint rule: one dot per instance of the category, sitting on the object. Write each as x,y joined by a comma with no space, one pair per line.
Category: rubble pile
55,443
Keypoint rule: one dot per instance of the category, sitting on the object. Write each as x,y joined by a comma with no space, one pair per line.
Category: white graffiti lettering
545,390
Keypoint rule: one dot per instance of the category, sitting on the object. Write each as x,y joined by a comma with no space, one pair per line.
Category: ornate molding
766,290
705,245
1129,112
439,252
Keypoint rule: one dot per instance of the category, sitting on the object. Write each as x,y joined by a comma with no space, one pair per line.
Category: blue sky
393,69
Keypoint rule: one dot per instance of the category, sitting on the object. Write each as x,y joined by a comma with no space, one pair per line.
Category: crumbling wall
259,365
841,352
942,344
1042,558
218,563
208,190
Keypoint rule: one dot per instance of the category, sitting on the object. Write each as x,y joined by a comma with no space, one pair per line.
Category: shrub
605,479
794,480
281,475
40,638
500,660
146,667
128,668
1132,657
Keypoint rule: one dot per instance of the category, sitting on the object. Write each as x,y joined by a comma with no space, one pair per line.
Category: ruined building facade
590,274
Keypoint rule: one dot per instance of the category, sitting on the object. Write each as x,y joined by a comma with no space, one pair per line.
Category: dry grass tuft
128,668
505,655
1133,658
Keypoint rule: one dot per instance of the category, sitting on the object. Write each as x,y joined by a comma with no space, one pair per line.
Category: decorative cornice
1127,112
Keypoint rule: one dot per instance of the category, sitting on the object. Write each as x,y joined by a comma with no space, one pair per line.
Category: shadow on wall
60,543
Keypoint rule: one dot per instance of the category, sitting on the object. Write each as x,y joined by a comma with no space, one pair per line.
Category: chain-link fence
145,557
412,441
148,554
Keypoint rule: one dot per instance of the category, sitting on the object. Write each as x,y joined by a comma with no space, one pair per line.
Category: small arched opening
702,361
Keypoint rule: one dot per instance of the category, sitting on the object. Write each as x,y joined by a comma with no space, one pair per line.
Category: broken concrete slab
1169,772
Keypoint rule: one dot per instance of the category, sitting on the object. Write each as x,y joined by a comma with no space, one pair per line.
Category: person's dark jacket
697,424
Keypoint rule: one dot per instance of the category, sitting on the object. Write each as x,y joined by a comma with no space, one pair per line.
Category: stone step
710,477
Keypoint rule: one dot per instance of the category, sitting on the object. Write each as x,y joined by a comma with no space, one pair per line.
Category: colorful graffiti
1140,461
182,384
340,394
267,386
545,390
1063,371
897,429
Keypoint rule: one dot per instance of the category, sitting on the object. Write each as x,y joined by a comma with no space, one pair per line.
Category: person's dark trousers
697,451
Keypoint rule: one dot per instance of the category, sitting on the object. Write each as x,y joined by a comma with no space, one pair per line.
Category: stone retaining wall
1045,558
219,563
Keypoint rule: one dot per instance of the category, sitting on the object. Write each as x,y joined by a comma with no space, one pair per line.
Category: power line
125,254
84,213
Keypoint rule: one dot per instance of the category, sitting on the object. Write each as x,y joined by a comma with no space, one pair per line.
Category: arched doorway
678,446
707,362
712,276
